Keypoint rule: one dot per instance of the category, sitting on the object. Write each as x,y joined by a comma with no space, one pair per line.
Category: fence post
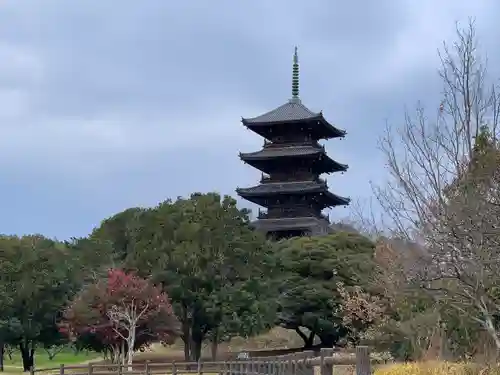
174,368
308,368
363,361
325,366
61,369
147,368
90,368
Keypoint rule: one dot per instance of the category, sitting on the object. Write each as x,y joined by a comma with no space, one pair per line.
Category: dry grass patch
437,368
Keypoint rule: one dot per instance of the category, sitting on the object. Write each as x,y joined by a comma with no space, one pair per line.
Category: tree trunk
490,328
187,349
115,354
196,343
130,356
27,355
215,346
308,340
186,338
10,350
2,353
215,343
130,346
196,350
122,353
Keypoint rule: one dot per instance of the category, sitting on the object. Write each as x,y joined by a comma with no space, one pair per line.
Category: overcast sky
106,105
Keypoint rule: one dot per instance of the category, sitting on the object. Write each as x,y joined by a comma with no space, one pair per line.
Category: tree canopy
39,276
218,272
123,308
313,266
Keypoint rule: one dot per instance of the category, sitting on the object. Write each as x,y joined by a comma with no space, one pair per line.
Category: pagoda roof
289,151
292,111
285,150
284,187
295,187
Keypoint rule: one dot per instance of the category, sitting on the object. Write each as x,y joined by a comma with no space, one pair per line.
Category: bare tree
125,319
442,191
360,309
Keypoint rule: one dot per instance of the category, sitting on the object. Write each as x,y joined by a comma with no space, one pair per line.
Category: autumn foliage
88,316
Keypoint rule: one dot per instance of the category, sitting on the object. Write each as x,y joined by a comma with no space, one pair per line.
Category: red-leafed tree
123,312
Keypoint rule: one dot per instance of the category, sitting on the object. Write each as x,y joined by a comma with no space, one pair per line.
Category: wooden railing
268,144
291,212
301,363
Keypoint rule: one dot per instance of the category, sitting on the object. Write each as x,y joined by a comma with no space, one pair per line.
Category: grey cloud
107,105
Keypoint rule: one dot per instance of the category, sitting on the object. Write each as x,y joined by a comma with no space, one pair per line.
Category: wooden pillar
363,361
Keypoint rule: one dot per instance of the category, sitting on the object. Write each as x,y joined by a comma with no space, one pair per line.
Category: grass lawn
66,356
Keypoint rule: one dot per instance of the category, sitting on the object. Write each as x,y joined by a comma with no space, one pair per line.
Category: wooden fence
301,363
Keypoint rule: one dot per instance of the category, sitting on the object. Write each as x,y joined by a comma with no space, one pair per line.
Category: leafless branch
442,192
125,318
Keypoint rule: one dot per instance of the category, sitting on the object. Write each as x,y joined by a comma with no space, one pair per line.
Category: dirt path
97,359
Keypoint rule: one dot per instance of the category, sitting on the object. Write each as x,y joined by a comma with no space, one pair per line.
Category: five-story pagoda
292,161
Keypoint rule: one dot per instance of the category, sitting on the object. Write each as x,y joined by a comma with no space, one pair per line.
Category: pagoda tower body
291,162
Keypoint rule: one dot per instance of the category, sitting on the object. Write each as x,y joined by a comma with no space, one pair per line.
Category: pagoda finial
295,76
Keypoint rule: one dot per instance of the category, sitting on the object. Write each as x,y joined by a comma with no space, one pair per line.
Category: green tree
313,267
115,230
7,290
38,276
218,272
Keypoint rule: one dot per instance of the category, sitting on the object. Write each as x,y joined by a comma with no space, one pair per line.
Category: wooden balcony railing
315,144
290,213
